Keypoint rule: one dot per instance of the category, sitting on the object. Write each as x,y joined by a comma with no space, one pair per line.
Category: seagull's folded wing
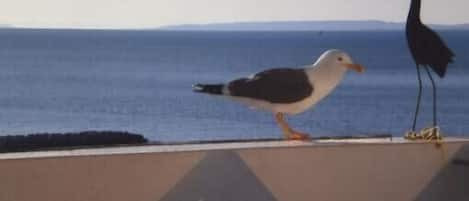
280,85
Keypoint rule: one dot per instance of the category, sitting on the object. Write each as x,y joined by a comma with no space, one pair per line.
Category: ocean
140,81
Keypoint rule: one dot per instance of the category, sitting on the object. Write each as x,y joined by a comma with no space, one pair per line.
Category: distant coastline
369,25
6,26
343,25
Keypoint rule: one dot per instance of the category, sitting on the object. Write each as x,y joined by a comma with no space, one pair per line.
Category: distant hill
304,26
5,26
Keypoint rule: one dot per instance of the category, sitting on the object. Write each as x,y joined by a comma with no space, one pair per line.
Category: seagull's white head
339,60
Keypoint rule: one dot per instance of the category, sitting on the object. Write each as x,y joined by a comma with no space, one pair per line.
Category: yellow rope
429,134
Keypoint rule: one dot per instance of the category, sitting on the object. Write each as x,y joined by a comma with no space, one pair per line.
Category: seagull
428,51
287,91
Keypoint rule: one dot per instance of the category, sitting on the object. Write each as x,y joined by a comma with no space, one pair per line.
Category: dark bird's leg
288,132
434,97
432,133
412,135
419,97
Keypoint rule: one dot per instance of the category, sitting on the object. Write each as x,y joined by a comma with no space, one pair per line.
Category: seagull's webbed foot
288,132
295,135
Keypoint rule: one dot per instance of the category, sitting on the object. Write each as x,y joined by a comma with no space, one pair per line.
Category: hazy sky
154,13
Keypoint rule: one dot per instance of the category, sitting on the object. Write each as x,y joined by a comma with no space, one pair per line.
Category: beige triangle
142,177
348,172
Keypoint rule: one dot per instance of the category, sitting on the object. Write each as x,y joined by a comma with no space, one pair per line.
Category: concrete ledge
140,149
373,169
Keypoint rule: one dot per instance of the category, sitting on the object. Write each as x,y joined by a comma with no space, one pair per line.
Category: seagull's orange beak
356,67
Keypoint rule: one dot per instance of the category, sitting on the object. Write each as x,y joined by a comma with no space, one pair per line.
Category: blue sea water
140,81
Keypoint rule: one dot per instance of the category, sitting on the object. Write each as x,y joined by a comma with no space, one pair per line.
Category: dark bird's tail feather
215,89
441,59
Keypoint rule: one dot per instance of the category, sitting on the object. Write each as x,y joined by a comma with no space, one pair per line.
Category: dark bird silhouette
428,51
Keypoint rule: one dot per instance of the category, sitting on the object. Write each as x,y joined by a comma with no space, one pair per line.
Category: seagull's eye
340,59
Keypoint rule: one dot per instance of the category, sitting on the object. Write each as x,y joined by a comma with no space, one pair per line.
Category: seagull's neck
325,78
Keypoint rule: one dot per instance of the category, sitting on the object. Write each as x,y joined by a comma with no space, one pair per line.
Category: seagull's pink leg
288,132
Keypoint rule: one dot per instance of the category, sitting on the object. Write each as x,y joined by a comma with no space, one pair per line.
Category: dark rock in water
44,141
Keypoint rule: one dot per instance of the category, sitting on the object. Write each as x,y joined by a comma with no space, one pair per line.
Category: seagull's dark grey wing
280,85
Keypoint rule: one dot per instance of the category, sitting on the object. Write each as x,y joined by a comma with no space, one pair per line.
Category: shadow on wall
451,182
220,175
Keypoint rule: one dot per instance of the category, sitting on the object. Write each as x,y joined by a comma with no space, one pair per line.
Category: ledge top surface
140,149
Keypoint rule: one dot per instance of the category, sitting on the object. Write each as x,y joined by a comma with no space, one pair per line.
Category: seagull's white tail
214,89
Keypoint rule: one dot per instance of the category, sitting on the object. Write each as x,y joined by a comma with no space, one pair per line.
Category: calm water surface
140,81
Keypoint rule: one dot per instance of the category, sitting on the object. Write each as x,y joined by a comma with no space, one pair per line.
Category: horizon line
162,27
